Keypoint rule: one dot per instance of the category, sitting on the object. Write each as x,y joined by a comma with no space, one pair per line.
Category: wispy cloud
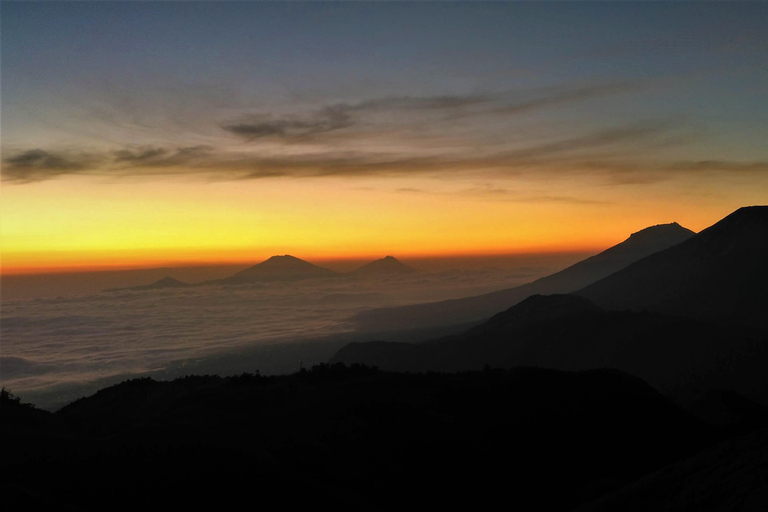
38,165
494,193
160,157
554,97
618,155
291,128
401,136
717,166
349,116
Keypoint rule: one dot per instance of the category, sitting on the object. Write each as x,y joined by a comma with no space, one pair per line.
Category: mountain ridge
719,273
686,319
472,309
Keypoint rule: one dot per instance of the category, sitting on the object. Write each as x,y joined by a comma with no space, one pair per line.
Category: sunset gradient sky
147,133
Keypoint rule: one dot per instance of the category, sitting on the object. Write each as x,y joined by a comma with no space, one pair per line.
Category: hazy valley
57,349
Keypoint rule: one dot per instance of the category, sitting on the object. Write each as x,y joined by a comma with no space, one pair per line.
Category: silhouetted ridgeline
354,438
690,318
286,268
473,309
718,274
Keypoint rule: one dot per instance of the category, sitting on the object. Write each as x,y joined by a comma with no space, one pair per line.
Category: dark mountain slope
718,274
471,309
357,438
679,356
731,476
388,265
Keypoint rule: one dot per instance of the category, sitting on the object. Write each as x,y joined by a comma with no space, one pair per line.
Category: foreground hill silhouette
719,274
386,266
472,309
357,438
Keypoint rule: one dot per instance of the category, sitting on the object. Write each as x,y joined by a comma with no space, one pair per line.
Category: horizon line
88,268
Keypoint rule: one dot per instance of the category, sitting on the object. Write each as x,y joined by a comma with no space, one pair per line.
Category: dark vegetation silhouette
352,436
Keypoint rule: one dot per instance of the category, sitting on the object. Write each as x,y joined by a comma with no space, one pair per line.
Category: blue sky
703,64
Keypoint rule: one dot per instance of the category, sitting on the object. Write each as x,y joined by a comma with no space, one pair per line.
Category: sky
146,133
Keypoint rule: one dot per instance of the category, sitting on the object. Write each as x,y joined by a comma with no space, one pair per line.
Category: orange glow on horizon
78,224
59,263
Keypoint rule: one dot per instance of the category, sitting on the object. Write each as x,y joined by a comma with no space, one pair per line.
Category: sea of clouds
55,350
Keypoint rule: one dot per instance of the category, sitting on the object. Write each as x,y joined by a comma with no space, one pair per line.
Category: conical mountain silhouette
388,265
472,309
282,268
167,282
720,273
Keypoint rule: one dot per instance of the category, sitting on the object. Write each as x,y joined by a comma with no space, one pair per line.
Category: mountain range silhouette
473,309
691,317
286,268
719,274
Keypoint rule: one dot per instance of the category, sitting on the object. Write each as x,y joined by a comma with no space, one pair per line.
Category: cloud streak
291,128
38,165
159,157
620,155
298,128
387,136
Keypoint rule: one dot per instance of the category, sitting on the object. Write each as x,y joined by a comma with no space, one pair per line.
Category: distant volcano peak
283,267
168,281
388,265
